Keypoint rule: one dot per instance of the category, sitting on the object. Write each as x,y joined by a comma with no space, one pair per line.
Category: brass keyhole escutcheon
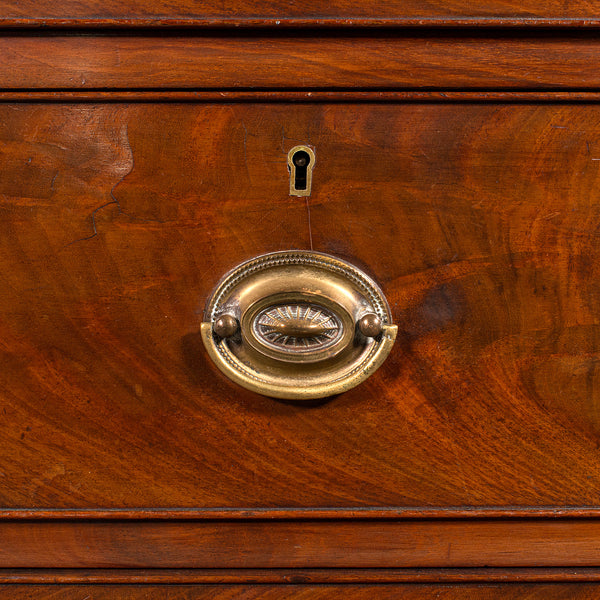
301,161
297,325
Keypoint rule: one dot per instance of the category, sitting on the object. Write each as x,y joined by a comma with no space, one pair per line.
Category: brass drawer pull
297,325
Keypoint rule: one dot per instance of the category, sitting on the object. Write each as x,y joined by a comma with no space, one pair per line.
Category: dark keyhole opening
301,160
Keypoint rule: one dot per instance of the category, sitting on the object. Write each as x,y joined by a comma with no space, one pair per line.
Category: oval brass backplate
297,325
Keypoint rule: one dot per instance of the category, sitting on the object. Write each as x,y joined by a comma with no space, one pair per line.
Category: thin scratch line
309,225
94,229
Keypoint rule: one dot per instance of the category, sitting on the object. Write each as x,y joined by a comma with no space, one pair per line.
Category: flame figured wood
479,221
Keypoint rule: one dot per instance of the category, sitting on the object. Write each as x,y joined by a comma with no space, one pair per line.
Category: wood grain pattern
387,60
296,576
480,222
305,544
302,592
162,12
136,167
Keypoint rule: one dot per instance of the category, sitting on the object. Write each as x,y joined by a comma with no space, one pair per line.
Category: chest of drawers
144,154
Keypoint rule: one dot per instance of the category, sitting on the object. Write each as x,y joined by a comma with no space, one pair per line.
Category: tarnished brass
301,160
297,325
226,326
370,325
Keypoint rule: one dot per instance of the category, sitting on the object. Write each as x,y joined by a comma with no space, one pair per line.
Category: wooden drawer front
480,221
293,60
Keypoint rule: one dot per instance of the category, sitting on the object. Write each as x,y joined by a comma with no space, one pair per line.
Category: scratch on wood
93,217
551,216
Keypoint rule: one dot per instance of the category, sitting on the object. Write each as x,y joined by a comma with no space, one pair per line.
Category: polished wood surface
304,592
298,95
143,154
478,220
281,12
316,60
300,544
300,576
285,514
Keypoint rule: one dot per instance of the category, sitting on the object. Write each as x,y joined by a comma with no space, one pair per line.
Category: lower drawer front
271,543
580,591
480,222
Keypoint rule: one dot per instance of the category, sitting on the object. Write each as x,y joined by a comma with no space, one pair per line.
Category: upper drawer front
479,221
350,60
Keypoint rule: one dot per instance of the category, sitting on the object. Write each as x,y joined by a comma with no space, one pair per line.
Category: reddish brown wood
321,96
295,576
471,456
388,60
282,23
358,513
305,592
317,544
163,12
478,220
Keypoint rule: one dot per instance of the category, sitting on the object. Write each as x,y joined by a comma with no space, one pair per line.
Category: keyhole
301,160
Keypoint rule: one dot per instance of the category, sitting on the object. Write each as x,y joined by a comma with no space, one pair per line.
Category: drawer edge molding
298,95
295,576
301,514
